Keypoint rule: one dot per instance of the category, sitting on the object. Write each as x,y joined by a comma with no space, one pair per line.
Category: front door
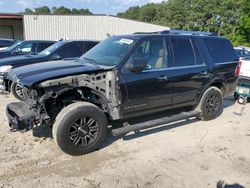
147,90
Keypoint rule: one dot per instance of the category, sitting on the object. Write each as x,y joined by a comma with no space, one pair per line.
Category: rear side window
89,45
71,50
43,46
220,50
183,52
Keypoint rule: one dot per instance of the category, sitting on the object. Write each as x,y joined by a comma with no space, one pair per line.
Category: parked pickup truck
69,49
123,77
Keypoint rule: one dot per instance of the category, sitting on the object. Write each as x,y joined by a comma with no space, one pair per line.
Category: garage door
6,32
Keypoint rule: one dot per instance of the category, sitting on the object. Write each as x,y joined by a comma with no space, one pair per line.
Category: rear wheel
242,100
80,128
17,91
210,105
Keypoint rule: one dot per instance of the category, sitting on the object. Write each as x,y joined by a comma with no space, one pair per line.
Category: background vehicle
123,77
242,52
58,51
5,43
26,47
242,92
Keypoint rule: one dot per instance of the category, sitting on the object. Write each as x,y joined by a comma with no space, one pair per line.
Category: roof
5,39
10,16
68,41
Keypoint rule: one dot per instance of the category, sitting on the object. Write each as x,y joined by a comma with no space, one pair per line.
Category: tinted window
221,50
5,43
153,52
183,52
198,57
71,50
43,46
89,45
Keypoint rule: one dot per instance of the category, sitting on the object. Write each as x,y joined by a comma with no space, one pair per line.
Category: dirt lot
190,154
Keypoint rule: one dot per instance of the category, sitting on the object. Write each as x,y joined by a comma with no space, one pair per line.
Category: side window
26,48
89,45
70,51
152,52
220,50
183,52
5,43
43,46
198,58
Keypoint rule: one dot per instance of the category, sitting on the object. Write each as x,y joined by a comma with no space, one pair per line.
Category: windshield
111,51
52,48
16,44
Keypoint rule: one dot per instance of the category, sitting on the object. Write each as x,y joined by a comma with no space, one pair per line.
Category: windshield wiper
92,61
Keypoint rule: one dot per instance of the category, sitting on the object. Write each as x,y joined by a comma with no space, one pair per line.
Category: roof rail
184,32
145,33
180,32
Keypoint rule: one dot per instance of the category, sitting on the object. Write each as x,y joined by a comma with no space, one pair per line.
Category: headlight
5,68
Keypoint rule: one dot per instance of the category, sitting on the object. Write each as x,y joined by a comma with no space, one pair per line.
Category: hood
36,73
20,60
4,54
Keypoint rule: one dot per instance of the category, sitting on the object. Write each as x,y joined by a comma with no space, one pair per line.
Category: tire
236,95
16,91
242,100
210,105
80,128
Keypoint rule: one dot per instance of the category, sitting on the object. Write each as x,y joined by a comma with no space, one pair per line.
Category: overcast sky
96,6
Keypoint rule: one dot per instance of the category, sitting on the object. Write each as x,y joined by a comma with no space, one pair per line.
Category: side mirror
138,65
56,57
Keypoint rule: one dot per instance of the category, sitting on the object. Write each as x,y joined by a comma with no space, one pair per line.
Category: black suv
26,47
69,49
123,77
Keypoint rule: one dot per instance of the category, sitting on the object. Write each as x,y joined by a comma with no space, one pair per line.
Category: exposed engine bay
48,98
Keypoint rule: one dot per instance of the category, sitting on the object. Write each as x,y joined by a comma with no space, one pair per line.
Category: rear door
189,71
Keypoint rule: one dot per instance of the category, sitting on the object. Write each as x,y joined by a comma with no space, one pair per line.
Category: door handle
162,78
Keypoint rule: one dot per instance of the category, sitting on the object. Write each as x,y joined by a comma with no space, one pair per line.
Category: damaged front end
25,114
45,102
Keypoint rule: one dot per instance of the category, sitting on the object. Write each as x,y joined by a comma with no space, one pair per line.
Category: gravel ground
184,154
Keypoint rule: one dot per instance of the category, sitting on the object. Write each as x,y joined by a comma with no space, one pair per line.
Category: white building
54,27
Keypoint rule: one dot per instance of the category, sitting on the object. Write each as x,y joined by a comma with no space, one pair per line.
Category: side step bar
154,123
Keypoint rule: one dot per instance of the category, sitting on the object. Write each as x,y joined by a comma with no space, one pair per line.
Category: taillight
237,70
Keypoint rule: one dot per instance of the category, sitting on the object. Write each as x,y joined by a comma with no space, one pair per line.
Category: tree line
228,18
57,10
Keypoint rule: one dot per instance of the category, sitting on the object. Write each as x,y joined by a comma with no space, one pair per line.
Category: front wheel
210,105
80,128
17,91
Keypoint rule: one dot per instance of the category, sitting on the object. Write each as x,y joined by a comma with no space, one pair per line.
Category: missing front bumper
20,116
